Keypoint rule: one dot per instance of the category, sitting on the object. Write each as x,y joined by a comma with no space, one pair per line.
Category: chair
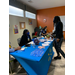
38,32
18,40
11,69
11,59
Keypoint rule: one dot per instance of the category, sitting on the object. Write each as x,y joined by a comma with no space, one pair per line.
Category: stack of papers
37,52
42,40
46,44
49,40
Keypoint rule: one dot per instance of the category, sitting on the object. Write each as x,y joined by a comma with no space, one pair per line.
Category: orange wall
49,15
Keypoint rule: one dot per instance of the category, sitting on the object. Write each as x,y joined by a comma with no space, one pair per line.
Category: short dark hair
56,19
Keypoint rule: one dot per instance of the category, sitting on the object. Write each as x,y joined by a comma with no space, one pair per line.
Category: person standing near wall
59,37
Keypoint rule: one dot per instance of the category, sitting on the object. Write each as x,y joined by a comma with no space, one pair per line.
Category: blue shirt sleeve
11,50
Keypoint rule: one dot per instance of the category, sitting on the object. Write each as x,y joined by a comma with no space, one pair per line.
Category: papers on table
37,52
23,48
42,40
49,40
46,44
31,42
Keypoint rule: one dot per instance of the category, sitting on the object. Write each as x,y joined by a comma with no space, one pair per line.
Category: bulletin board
63,21
22,25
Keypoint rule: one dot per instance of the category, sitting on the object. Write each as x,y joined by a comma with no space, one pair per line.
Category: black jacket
24,40
59,30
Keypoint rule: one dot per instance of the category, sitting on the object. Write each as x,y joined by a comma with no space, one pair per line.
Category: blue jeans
58,47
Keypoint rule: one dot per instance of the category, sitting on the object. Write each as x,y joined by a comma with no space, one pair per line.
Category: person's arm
30,38
54,32
43,34
18,48
23,40
12,50
60,28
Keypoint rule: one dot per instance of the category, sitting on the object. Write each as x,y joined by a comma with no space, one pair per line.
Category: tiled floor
57,67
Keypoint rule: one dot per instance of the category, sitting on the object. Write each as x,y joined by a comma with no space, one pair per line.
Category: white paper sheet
45,44
31,42
49,40
22,25
23,48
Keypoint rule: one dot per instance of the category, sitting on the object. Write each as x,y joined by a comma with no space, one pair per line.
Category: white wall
14,20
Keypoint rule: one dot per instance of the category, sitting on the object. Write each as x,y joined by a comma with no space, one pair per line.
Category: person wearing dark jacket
59,37
24,39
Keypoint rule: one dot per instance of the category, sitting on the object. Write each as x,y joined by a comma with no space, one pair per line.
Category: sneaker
57,57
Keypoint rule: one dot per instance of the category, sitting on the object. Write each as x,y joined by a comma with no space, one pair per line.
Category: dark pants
58,47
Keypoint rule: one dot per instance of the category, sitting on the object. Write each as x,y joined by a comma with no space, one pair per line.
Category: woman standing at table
24,39
59,37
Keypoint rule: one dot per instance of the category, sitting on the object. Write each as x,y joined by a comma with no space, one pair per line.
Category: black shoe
57,57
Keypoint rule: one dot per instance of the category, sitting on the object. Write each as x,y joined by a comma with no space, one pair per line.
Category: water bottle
50,38
40,34
9,44
33,45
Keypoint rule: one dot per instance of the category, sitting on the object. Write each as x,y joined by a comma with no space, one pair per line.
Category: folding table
35,65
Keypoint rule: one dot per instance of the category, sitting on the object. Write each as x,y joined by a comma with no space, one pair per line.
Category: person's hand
57,40
51,33
18,48
43,34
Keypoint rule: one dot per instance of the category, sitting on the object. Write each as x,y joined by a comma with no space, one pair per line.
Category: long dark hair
25,31
56,19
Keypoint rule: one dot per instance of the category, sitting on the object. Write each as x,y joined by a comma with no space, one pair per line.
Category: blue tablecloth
32,64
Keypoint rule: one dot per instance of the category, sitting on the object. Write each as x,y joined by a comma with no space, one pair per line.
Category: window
30,15
15,11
